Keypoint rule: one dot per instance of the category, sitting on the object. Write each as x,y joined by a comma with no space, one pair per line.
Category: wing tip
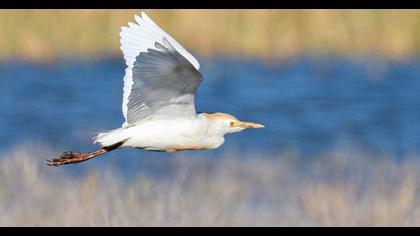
143,14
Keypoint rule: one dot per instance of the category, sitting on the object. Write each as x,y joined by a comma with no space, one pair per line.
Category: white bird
160,83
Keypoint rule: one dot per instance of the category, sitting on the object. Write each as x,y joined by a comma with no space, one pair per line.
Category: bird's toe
66,157
54,162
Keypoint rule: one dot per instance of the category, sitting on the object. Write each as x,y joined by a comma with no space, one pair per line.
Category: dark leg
76,157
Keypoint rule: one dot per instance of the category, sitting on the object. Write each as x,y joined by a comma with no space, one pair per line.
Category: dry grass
45,34
333,190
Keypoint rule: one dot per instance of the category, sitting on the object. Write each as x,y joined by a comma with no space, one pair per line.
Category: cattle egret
160,83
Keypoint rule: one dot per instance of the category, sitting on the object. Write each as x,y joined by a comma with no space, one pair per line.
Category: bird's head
226,124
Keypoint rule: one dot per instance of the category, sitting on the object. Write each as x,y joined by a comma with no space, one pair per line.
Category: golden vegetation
43,34
333,190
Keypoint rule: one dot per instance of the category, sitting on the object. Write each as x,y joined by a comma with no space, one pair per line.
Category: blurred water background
310,105
336,90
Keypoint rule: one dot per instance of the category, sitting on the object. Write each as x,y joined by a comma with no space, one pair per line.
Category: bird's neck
212,127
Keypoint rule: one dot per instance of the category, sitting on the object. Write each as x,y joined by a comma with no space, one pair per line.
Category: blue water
309,104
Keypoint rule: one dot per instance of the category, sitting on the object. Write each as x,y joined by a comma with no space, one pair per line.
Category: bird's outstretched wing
161,76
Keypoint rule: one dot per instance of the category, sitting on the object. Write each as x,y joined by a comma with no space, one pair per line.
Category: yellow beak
246,124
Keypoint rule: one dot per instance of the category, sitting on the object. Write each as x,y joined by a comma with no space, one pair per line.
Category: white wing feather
138,38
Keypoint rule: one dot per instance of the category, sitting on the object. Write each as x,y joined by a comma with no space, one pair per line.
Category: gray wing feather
164,85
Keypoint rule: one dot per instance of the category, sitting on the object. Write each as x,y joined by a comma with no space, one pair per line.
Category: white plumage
165,135
160,84
138,38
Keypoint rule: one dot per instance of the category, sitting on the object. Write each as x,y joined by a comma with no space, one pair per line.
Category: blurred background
338,92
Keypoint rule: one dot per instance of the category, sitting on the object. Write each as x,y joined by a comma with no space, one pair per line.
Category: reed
336,189
47,34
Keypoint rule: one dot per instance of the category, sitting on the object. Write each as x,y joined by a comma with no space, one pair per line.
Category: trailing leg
76,157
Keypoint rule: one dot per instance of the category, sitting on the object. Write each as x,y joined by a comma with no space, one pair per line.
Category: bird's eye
231,123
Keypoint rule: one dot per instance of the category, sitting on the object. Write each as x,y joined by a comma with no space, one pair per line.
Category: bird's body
166,135
160,83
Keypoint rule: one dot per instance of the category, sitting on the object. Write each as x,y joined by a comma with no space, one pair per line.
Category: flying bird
160,84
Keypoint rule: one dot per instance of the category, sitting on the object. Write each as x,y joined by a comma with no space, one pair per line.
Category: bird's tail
110,138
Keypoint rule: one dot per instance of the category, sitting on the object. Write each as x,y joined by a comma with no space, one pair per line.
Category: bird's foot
68,158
